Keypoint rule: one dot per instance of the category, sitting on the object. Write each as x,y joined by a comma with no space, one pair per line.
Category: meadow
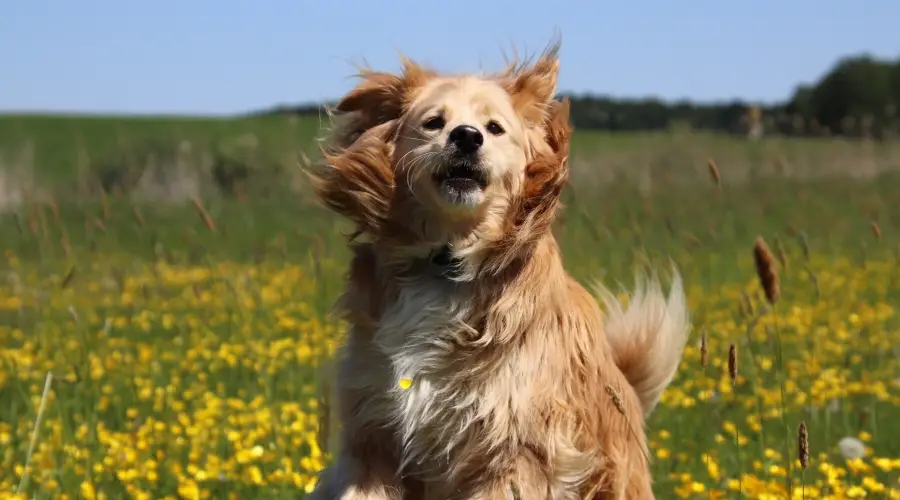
170,336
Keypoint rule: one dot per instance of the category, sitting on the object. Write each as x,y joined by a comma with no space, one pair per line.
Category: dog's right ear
381,97
358,182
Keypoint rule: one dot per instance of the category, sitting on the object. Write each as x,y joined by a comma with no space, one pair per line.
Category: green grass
59,150
189,359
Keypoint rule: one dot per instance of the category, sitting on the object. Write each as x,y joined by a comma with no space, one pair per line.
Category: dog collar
447,265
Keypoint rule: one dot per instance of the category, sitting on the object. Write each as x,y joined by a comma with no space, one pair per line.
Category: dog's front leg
366,467
366,470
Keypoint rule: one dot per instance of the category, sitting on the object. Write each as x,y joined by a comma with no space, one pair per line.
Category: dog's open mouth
462,178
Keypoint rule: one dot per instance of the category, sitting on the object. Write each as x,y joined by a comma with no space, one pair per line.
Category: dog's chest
417,334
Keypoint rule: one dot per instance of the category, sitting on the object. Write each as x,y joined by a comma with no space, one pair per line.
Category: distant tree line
860,96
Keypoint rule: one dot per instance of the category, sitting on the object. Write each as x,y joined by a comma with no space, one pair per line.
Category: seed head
876,230
704,353
803,445
765,269
204,215
713,171
616,399
732,363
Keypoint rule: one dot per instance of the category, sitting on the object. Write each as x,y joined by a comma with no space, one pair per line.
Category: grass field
164,349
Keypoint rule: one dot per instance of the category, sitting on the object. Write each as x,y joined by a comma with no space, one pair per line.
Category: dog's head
425,160
460,145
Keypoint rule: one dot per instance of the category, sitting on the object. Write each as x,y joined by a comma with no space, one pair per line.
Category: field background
175,276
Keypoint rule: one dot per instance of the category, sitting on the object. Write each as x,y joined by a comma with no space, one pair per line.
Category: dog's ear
356,178
533,86
534,209
547,174
382,97
358,182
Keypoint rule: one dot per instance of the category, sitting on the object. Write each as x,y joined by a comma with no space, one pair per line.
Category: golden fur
510,360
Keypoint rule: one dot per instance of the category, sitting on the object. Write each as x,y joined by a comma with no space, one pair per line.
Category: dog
475,366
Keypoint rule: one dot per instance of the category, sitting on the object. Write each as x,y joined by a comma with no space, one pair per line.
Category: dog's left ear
547,174
534,209
533,86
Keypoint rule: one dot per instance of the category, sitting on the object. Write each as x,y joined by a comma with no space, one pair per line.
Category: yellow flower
207,380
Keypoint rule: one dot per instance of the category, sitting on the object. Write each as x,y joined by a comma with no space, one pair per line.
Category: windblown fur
511,362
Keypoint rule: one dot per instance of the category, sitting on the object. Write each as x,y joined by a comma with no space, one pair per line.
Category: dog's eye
495,128
434,123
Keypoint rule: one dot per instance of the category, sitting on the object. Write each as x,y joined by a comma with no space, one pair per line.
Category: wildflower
851,448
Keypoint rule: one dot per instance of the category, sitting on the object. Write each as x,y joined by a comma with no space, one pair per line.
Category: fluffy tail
648,335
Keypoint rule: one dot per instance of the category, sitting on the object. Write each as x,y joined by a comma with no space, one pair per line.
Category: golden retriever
476,367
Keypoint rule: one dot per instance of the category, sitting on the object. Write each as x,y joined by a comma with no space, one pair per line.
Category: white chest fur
417,335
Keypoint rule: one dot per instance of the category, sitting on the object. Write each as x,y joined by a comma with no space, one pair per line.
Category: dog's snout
467,138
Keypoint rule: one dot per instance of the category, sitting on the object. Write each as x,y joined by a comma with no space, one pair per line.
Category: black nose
467,138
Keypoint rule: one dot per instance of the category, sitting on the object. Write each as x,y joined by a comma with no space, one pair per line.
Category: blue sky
227,56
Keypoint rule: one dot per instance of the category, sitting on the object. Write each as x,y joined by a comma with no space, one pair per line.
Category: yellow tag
405,383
